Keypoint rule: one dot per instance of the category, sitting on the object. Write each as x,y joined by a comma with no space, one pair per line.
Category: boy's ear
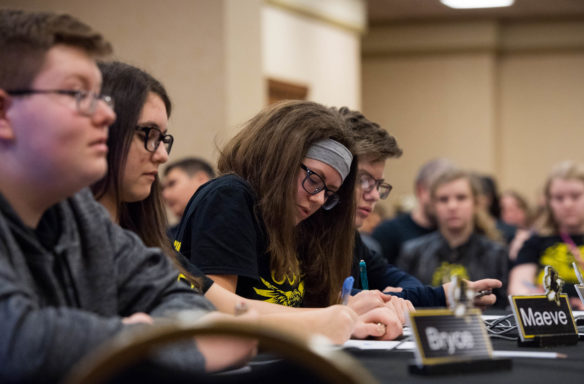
6,132
201,177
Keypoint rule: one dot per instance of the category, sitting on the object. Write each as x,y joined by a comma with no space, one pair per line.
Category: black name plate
537,318
442,337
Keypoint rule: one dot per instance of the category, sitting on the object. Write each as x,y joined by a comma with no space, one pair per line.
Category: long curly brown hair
267,153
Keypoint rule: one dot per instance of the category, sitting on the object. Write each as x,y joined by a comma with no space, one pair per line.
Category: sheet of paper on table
371,344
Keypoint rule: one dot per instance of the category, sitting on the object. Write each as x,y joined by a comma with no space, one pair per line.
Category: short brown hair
370,139
431,170
191,165
25,38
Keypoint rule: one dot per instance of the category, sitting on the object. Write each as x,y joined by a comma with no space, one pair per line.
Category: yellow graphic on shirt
291,298
558,256
286,277
445,271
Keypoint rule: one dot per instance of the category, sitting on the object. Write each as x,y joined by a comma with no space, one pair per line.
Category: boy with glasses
69,278
373,146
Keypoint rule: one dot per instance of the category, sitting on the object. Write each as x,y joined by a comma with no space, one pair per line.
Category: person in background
373,147
515,210
558,240
70,279
467,242
489,201
392,234
182,178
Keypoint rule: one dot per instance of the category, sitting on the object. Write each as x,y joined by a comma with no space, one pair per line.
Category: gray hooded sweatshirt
66,285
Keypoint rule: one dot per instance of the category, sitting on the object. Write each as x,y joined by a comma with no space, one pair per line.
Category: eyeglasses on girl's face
153,137
313,184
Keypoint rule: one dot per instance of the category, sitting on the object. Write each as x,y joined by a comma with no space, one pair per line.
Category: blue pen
363,271
347,288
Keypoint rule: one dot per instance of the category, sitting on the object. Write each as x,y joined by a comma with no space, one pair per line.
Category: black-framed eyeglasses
153,137
313,183
86,102
367,183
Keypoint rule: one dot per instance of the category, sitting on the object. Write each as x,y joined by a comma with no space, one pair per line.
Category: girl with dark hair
138,144
131,189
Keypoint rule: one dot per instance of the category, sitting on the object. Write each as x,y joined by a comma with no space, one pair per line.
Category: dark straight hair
129,87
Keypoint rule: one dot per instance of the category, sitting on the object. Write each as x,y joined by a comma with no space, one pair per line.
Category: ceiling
392,11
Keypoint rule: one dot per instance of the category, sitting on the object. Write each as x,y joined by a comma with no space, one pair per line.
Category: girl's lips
303,212
364,211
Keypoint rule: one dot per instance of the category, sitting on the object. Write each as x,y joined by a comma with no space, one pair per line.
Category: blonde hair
546,224
483,223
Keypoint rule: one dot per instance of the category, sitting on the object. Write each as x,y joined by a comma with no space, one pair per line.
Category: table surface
392,366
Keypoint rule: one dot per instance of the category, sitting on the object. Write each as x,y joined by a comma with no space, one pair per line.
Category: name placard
538,317
442,337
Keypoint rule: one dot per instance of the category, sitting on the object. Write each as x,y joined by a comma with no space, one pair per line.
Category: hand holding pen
484,288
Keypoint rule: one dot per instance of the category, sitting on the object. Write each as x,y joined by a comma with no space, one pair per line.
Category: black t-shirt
552,251
392,234
196,272
222,233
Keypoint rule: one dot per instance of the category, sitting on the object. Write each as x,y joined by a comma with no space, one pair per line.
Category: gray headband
332,153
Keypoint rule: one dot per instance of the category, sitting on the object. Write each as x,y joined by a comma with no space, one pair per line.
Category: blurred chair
322,361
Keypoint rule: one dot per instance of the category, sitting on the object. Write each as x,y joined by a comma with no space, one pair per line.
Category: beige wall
504,99
542,116
316,53
213,55
203,51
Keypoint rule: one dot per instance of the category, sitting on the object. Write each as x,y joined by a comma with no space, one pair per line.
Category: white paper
371,344
578,313
407,346
533,355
